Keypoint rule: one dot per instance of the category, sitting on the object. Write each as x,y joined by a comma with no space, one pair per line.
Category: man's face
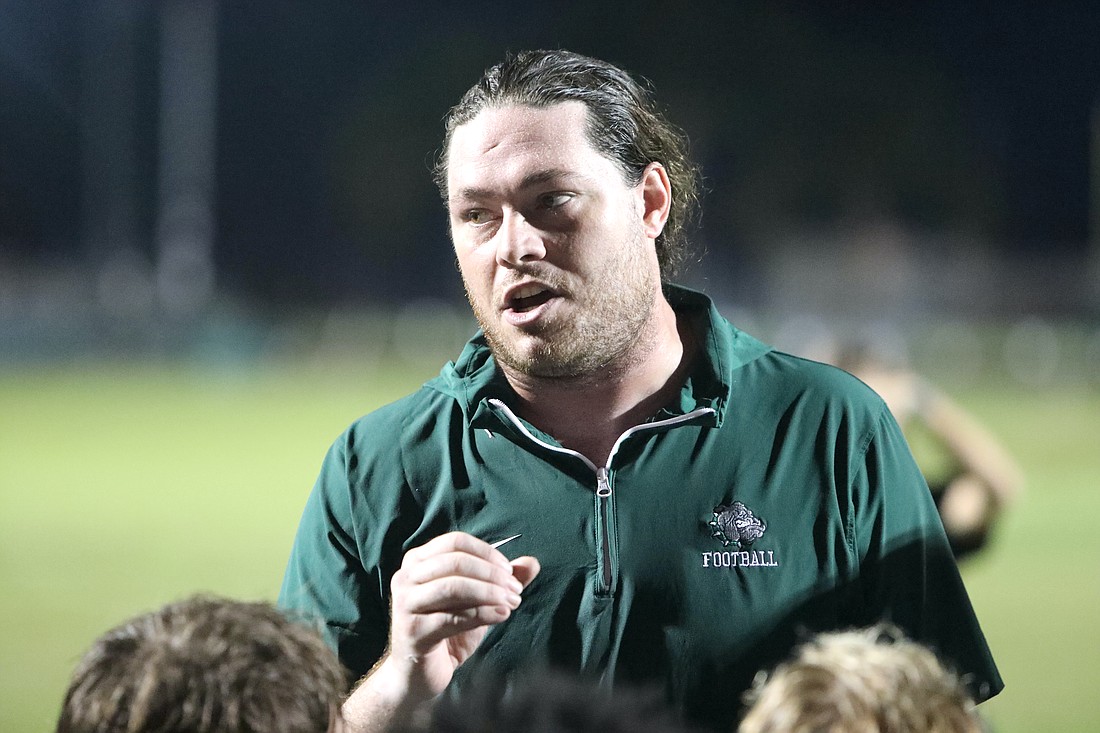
558,267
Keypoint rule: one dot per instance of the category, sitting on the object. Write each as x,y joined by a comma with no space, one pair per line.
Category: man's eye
554,200
476,217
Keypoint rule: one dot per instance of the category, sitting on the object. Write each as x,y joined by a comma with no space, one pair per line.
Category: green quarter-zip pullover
774,498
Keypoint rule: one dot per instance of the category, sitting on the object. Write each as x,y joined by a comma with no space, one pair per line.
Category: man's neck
588,413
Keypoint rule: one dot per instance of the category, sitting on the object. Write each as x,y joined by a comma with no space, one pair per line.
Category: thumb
525,568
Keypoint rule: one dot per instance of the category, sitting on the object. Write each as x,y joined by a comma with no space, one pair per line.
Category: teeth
526,291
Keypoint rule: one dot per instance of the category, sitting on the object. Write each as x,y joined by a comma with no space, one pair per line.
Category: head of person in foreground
206,665
863,681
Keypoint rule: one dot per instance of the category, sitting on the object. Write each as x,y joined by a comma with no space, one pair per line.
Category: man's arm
907,571
333,576
441,600
446,595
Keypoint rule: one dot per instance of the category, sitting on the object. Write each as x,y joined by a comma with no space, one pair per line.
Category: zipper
606,535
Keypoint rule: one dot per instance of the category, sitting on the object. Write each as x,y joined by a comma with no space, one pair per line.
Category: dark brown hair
624,124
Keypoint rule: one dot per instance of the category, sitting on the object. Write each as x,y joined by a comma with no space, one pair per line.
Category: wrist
394,693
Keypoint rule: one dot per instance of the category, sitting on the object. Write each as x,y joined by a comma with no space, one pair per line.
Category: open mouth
528,298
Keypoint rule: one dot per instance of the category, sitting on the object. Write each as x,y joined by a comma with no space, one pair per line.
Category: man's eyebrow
538,178
550,174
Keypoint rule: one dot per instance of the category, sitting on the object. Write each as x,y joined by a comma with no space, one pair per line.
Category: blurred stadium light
186,145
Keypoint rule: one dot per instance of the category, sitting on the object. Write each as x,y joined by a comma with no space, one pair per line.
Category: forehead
505,143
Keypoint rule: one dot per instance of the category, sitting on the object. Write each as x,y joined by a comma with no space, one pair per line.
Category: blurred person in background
974,477
207,665
610,479
863,681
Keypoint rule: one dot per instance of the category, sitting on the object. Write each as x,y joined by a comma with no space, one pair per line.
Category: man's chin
542,365
531,359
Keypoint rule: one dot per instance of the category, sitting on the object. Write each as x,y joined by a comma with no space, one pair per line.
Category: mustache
547,275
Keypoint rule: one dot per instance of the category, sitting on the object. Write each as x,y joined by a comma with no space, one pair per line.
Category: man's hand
445,596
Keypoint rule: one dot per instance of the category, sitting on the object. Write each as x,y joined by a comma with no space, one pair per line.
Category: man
676,499
870,680
206,665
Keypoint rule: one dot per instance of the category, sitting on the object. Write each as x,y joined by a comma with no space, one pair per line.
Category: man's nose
518,241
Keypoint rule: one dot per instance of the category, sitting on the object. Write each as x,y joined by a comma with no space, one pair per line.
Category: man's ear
656,199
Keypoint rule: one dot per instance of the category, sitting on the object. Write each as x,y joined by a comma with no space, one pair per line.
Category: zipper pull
603,485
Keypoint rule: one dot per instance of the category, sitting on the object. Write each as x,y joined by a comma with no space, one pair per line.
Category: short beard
611,326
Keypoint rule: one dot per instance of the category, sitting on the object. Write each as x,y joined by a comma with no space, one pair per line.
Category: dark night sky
937,114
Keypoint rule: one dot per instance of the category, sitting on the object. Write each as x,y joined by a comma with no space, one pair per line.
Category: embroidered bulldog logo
736,525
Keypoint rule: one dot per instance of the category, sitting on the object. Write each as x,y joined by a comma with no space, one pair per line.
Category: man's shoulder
425,402
782,373
814,372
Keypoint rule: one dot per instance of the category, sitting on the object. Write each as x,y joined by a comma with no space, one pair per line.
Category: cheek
476,271
465,257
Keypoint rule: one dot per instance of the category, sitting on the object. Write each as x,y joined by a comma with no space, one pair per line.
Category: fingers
455,593
461,564
453,584
525,569
458,542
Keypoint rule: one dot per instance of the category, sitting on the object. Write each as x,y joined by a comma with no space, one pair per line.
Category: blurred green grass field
125,486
